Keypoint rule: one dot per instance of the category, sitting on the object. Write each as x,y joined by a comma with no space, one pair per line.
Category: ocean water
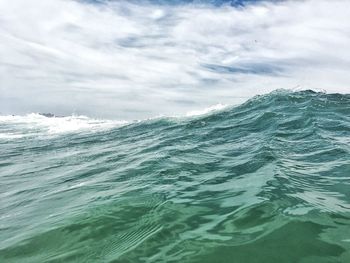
265,181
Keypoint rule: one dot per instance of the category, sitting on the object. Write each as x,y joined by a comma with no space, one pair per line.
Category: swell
199,189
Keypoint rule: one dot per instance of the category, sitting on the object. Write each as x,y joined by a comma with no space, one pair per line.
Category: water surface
267,181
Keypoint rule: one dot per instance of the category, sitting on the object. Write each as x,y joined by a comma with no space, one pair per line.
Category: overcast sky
138,59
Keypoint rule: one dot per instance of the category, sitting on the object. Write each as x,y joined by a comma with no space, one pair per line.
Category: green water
267,181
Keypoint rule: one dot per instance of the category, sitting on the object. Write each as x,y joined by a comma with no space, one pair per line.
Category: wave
15,126
19,126
37,123
266,180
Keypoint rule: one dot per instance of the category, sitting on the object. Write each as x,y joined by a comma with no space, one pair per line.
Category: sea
264,181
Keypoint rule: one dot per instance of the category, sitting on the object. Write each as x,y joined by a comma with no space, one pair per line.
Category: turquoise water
266,181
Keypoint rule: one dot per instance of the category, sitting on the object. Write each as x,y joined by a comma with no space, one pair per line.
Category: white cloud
124,60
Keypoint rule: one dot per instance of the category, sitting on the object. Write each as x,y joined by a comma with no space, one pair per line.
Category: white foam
10,136
22,126
210,109
33,124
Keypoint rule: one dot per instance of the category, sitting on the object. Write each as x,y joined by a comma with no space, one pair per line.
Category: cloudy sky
138,59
